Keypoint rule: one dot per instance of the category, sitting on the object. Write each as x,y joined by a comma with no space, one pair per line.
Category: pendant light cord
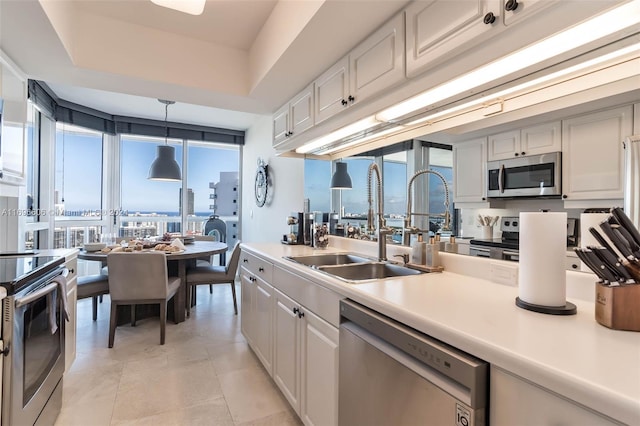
166,123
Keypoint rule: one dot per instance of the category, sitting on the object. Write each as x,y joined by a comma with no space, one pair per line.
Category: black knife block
618,307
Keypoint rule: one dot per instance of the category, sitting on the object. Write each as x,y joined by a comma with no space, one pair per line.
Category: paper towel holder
568,308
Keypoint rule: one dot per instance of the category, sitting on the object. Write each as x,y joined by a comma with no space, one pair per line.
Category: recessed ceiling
239,58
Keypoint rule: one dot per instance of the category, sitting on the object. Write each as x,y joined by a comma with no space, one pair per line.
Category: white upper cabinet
378,62
539,139
470,171
332,91
440,29
294,117
516,10
593,156
373,66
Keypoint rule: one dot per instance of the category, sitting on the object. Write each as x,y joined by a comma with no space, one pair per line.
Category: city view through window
145,208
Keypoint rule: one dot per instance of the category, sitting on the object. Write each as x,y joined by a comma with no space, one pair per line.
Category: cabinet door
286,363
247,294
263,322
504,145
470,171
524,9
281,125
592,154
71,326
378,62
319,372
439,29
301,111
332,91
541,139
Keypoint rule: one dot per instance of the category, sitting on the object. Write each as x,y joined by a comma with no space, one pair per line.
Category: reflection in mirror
398,163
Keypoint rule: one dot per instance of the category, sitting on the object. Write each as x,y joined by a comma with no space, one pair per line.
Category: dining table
177,263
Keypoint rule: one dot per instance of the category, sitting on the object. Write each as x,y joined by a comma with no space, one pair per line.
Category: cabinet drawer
320,300
257,266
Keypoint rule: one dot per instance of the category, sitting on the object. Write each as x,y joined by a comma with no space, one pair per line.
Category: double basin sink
352,267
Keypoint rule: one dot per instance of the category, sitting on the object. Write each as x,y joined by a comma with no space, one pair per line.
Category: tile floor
205,374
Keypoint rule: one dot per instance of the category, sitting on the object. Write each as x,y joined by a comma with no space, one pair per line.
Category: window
394,172
441,161
78,173
317,181
354,202
212,184
148,207
33,155
78,186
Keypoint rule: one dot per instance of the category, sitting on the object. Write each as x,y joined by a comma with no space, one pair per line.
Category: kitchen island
569,360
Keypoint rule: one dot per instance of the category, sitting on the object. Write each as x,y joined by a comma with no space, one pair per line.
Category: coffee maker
300,228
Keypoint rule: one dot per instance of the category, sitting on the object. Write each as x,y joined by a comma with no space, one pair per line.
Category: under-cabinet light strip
341,133
601,26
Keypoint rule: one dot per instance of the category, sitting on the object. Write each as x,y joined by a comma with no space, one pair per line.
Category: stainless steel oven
33,334
532,176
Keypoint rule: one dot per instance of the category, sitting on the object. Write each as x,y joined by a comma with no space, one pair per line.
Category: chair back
137,276
232,267
214,225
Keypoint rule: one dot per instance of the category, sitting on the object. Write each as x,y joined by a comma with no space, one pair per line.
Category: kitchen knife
617,240
629,238
610,261
604,243
592,262
626,223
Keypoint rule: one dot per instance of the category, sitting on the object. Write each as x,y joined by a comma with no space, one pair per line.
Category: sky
81,186
82,178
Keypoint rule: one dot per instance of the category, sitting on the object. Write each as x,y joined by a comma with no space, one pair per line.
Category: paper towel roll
588,220
542,277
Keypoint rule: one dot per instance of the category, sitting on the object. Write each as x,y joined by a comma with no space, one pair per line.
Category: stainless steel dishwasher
390,374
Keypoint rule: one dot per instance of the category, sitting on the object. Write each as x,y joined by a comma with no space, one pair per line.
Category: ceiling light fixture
192,7
341,178
594,29
165,167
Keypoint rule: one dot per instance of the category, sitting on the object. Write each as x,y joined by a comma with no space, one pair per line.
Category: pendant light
165,167
341,178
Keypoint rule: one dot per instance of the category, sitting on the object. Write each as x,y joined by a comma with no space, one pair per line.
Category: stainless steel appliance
504,248
389,374
33,362
507,247
531,176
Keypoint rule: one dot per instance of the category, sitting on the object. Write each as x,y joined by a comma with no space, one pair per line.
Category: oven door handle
49,288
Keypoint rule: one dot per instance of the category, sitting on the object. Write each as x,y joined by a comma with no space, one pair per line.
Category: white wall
286,188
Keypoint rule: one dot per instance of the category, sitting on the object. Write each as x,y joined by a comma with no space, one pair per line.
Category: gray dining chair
140,278
214,275
93,286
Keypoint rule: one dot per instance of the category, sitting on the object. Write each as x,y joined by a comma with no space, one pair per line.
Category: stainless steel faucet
408,229
382,229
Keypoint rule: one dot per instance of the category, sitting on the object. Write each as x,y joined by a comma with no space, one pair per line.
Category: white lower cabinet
72,297
305,364
256,320
516,401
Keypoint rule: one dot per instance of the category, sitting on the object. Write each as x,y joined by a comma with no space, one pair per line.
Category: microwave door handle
501,179
36,295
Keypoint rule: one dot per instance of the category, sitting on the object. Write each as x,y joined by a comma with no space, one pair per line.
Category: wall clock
262,183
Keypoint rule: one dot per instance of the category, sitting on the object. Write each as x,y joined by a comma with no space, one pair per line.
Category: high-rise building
190,201
225,195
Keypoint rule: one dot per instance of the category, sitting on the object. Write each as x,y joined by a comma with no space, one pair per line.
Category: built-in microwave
531,176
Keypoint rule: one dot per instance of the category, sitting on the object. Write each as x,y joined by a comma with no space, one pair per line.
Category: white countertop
572,355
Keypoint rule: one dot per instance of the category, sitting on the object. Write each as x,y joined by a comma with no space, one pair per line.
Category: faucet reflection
408,229
382,229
